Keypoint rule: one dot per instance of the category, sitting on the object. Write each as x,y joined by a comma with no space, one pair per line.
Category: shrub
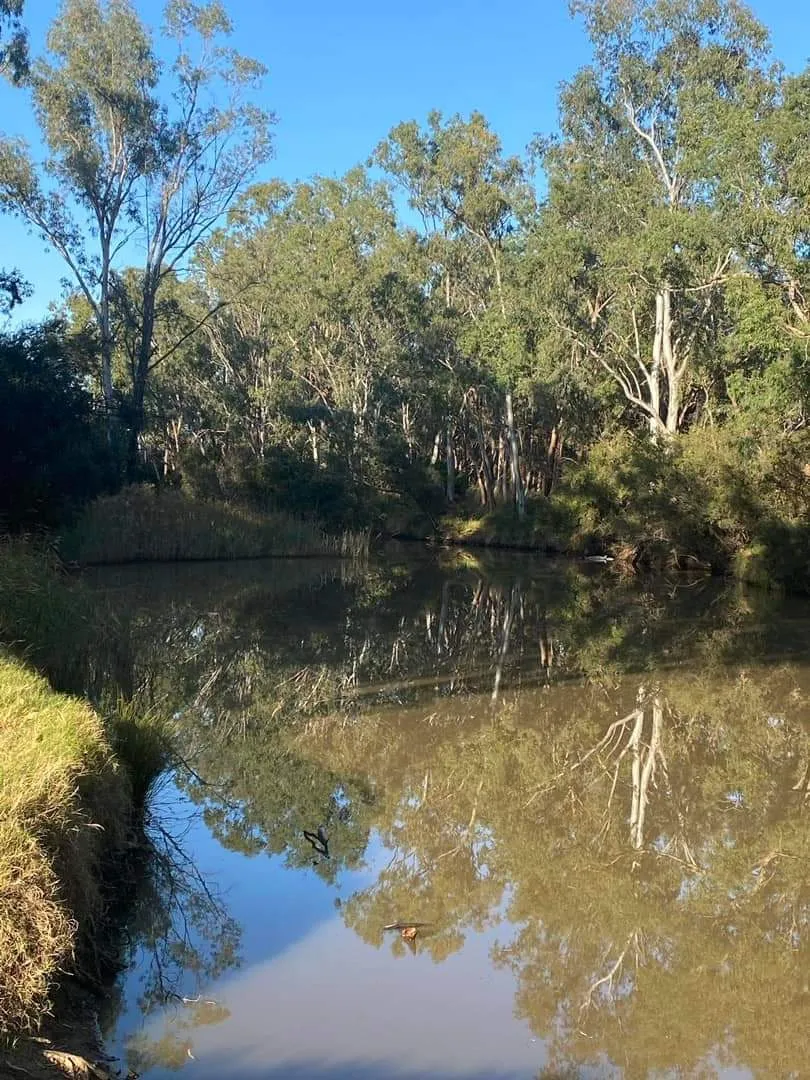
711,498
54,449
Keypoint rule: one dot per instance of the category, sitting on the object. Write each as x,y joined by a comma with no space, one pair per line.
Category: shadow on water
595,793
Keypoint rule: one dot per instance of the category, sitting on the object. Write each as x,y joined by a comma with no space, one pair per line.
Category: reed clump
144,524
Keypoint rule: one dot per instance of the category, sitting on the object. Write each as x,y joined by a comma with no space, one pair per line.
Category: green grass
73,779
63,800
141,524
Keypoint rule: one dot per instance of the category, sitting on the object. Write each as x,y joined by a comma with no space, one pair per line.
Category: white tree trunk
514,453
451,466
654,381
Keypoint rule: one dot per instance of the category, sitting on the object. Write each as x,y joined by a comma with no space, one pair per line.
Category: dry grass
140,524
62,799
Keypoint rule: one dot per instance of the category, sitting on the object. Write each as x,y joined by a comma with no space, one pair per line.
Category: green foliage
635,238
53,447
621,366
712,499
14,41
124,162
40,613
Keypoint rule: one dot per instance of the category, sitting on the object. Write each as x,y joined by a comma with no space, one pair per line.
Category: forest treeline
598,345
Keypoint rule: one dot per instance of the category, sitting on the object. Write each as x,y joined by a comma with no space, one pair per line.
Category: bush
638,498
44,618
54,449
709,499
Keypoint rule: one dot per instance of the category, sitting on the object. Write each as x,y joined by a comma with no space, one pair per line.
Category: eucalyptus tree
781,222
770,387
322,332
14,41
637,249
178,395
206,151
470,199
128,169
96,107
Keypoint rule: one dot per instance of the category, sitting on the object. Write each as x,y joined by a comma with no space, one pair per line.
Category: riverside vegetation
425,346
618,366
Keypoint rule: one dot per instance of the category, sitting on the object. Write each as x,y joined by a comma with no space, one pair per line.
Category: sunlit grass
62,800
73,778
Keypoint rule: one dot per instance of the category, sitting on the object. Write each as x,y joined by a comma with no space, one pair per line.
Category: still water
580,803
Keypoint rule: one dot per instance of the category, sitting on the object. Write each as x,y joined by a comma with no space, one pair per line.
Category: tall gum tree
207,149
128,168
470,199
637,255
94,100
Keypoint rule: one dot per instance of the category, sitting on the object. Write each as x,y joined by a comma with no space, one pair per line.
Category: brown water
592,793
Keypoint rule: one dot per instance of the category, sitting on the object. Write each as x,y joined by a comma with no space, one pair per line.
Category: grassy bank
709,500
141,524
64,801
73,780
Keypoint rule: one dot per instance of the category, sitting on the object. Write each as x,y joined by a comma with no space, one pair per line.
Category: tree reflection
183,937
653,865
615,777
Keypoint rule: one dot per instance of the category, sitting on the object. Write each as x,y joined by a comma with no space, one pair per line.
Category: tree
178,369
772,321
127,169
471,200
14,41
96,108
13,64
204,155
13,290
637,250
321,344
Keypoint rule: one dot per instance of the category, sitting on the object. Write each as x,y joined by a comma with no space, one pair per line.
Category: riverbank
67,813
699,504
707,501
74,780
65,800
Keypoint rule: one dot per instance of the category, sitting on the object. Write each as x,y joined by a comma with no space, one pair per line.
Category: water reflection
593,793
179,938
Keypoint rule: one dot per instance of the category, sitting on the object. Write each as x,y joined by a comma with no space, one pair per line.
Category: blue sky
342,74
